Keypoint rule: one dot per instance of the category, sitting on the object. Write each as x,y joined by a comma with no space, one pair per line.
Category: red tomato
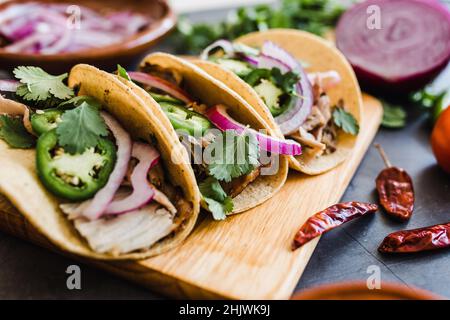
440,140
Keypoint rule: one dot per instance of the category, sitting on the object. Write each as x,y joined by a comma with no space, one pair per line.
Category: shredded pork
318,132
135,230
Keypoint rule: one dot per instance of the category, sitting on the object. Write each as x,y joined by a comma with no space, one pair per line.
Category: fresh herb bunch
316,16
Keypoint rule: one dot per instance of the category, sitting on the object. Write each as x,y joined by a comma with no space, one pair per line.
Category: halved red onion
8,85
161,84
290,120
225,45
142,191
97,205
395,44
222,120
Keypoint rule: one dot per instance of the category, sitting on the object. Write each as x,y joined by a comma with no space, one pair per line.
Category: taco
300,84
90,168
250,165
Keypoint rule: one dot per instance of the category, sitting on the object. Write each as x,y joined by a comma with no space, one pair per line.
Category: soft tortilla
21,186
212,92
320,56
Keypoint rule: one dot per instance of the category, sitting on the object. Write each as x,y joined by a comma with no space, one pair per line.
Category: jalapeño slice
73,177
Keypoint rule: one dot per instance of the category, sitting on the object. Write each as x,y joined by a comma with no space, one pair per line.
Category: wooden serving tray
246,256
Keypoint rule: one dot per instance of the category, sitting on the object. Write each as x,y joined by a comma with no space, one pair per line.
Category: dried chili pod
423,239
329,219
395,190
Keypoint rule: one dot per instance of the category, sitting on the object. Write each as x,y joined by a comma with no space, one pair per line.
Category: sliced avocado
238,67
270,94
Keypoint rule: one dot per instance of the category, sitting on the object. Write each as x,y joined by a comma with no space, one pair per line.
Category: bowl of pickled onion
56,35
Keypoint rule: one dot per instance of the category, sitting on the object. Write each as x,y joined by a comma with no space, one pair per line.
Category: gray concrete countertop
30,272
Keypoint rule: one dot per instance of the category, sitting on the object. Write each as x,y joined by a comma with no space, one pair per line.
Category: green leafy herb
80,128
13,132
394,117
284,81
233,155
122,72
219,203
78,100
315,16
345,121
38,85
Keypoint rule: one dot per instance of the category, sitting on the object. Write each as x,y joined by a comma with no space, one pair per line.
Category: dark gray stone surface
29,272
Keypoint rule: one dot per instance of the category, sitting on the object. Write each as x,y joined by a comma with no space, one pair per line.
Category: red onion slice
291,120
225,45
402,48
8,85
272,50
97,205
142,191
254,61
220,118
161,84
43,28
325,80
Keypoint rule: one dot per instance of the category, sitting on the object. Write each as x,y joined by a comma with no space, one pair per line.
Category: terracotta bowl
125,53
359,291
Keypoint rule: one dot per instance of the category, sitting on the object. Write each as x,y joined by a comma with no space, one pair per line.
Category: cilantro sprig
233,155
81,128
37,85
219,203
78,100
346,121
13,132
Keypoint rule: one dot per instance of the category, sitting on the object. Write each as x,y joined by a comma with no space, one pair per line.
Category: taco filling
112,187
297,101
226,155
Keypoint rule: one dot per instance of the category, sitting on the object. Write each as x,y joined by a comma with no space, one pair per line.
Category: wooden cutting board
246,256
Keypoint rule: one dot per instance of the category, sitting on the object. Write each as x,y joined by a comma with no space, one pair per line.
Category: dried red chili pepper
331,218
395,190
423,239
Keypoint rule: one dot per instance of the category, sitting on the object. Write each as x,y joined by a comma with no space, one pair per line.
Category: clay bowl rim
322,292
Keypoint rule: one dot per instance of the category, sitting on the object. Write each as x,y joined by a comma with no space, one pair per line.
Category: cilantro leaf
38,85
80,128
78,100
14,133
122,72
219,203
233,155
394,117
346,121
284,81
